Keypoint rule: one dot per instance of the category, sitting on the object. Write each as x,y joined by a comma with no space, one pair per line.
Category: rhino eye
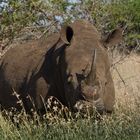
80,77
86,70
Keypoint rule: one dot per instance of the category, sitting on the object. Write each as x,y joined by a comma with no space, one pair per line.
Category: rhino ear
66,34
113,38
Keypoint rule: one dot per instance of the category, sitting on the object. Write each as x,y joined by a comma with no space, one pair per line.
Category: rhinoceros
72,66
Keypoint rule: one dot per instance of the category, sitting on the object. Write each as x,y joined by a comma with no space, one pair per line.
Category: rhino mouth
85,107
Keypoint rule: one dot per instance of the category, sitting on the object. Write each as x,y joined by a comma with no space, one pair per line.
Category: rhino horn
92,74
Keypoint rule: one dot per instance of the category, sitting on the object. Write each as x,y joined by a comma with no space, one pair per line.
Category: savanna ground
123,124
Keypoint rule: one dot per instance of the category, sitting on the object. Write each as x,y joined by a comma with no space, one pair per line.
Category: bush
20,14
121,13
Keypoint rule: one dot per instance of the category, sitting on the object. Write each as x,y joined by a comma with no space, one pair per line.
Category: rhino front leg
41,93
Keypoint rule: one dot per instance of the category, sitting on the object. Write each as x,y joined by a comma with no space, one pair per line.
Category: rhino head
85,68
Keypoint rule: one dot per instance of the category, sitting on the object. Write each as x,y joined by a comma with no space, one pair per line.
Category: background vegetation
34,17
21,20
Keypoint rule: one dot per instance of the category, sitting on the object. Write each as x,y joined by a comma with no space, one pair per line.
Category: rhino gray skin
72,66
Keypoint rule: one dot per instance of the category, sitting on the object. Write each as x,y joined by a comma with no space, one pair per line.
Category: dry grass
126,76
